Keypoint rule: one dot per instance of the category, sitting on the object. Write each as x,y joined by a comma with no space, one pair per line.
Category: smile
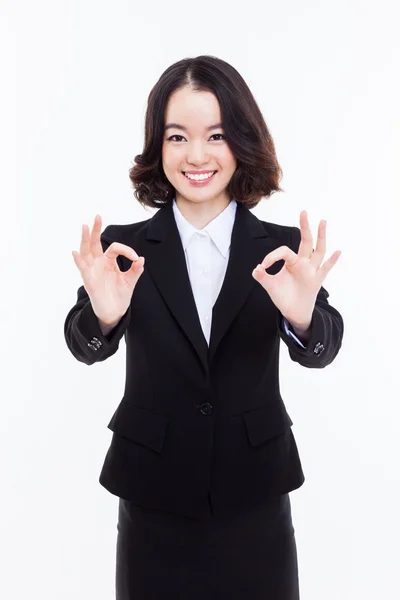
200,179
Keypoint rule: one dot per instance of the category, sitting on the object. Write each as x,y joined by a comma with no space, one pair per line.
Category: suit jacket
201,429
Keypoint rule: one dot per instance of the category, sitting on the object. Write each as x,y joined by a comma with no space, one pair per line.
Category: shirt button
206,317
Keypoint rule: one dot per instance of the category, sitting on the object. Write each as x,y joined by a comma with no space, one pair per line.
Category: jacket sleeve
327,328
289,331
82,331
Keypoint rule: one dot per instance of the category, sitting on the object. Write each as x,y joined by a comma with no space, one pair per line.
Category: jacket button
206,408
94,343
319,348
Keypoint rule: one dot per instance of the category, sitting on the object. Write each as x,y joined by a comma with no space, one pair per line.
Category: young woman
202,455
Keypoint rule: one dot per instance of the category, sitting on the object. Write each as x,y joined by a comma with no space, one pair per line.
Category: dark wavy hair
258,172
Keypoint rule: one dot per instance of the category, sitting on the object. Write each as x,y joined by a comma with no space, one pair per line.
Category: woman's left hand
295,288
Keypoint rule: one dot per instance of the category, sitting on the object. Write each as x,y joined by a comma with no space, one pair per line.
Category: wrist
107,327
303,332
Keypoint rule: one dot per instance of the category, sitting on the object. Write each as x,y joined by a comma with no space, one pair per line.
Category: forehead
192,109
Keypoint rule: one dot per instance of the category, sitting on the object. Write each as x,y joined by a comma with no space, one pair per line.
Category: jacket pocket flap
266,422
140,425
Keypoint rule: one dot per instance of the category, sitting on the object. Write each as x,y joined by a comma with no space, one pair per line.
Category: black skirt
247,556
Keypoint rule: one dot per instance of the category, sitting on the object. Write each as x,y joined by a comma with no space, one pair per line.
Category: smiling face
194,141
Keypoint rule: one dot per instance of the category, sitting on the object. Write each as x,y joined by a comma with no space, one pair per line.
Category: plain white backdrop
76,76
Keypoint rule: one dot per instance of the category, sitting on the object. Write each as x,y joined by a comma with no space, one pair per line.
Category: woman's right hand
109,289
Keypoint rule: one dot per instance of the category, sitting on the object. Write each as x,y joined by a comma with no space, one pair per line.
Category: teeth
199,177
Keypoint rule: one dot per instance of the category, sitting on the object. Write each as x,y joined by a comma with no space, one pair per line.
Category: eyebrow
177,126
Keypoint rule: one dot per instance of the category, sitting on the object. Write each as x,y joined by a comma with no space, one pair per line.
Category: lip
198,183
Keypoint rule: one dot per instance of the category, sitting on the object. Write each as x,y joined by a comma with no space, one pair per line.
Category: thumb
259,273
135,271
263,278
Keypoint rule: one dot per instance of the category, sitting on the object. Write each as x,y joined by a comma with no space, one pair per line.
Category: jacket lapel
165,261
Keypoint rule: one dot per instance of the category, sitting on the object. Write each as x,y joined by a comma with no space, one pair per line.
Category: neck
200,213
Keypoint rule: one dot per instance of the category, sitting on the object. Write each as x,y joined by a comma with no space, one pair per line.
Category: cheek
166,161
229,164
170,160
227,158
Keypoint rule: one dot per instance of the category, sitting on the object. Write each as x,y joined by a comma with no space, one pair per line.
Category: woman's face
195,147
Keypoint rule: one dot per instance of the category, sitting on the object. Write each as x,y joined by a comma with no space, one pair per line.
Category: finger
116,248
306,241
283,252
85,249
318,255
95,237
136,270
328,265
261,275
80,262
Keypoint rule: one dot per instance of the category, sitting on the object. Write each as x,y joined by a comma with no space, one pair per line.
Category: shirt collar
219,229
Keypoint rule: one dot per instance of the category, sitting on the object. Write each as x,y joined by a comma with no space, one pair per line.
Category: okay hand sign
295,288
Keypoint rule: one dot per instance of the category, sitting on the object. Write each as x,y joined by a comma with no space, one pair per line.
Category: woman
202,455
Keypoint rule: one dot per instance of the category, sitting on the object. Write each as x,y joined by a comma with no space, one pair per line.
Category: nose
197,154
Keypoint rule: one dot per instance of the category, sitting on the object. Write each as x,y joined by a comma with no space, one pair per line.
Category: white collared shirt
207,254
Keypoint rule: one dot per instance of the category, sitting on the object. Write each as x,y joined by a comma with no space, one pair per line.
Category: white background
74,87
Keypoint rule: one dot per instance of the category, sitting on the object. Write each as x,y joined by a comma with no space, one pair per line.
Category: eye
174,136
180,136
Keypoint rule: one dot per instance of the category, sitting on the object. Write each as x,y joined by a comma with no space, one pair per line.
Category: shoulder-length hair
258,172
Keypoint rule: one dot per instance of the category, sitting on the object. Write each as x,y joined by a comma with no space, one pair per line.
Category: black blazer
201,428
